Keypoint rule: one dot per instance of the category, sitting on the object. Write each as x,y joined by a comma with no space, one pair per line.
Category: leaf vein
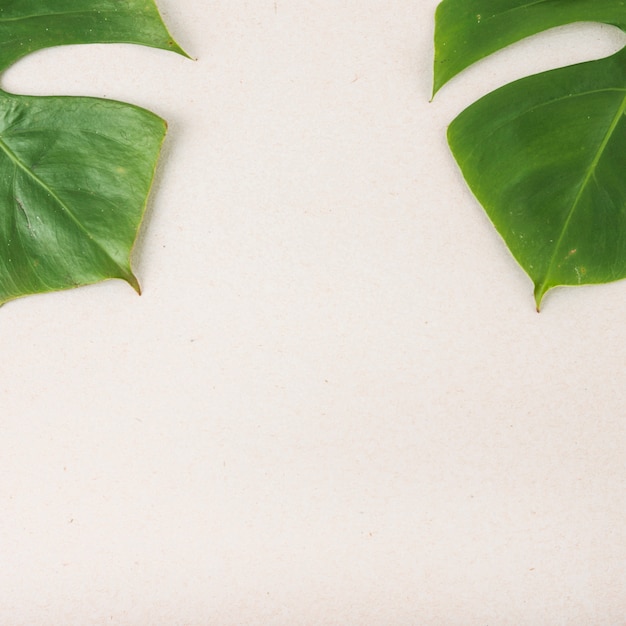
589,175
51,14
518,8
521,114
19,164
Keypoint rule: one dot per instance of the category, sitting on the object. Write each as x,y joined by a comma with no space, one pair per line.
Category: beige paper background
334,403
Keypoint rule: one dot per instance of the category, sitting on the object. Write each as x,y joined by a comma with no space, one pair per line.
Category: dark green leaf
546,155
29,25
75,173
469,30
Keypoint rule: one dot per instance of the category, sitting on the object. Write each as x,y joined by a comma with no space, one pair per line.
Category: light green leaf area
75,173
545,155
74,177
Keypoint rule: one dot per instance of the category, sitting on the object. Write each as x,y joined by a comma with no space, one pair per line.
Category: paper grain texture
334,403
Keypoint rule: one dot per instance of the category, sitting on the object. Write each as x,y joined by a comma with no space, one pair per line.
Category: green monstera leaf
545,155
75,172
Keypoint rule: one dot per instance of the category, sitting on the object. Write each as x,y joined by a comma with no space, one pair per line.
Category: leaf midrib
29,172
541,288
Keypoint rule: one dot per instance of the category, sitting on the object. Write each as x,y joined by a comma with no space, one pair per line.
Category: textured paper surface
334,403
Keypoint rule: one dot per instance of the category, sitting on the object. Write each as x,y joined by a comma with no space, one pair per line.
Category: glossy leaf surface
29,25
75,173
469,30
545,155
74,178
